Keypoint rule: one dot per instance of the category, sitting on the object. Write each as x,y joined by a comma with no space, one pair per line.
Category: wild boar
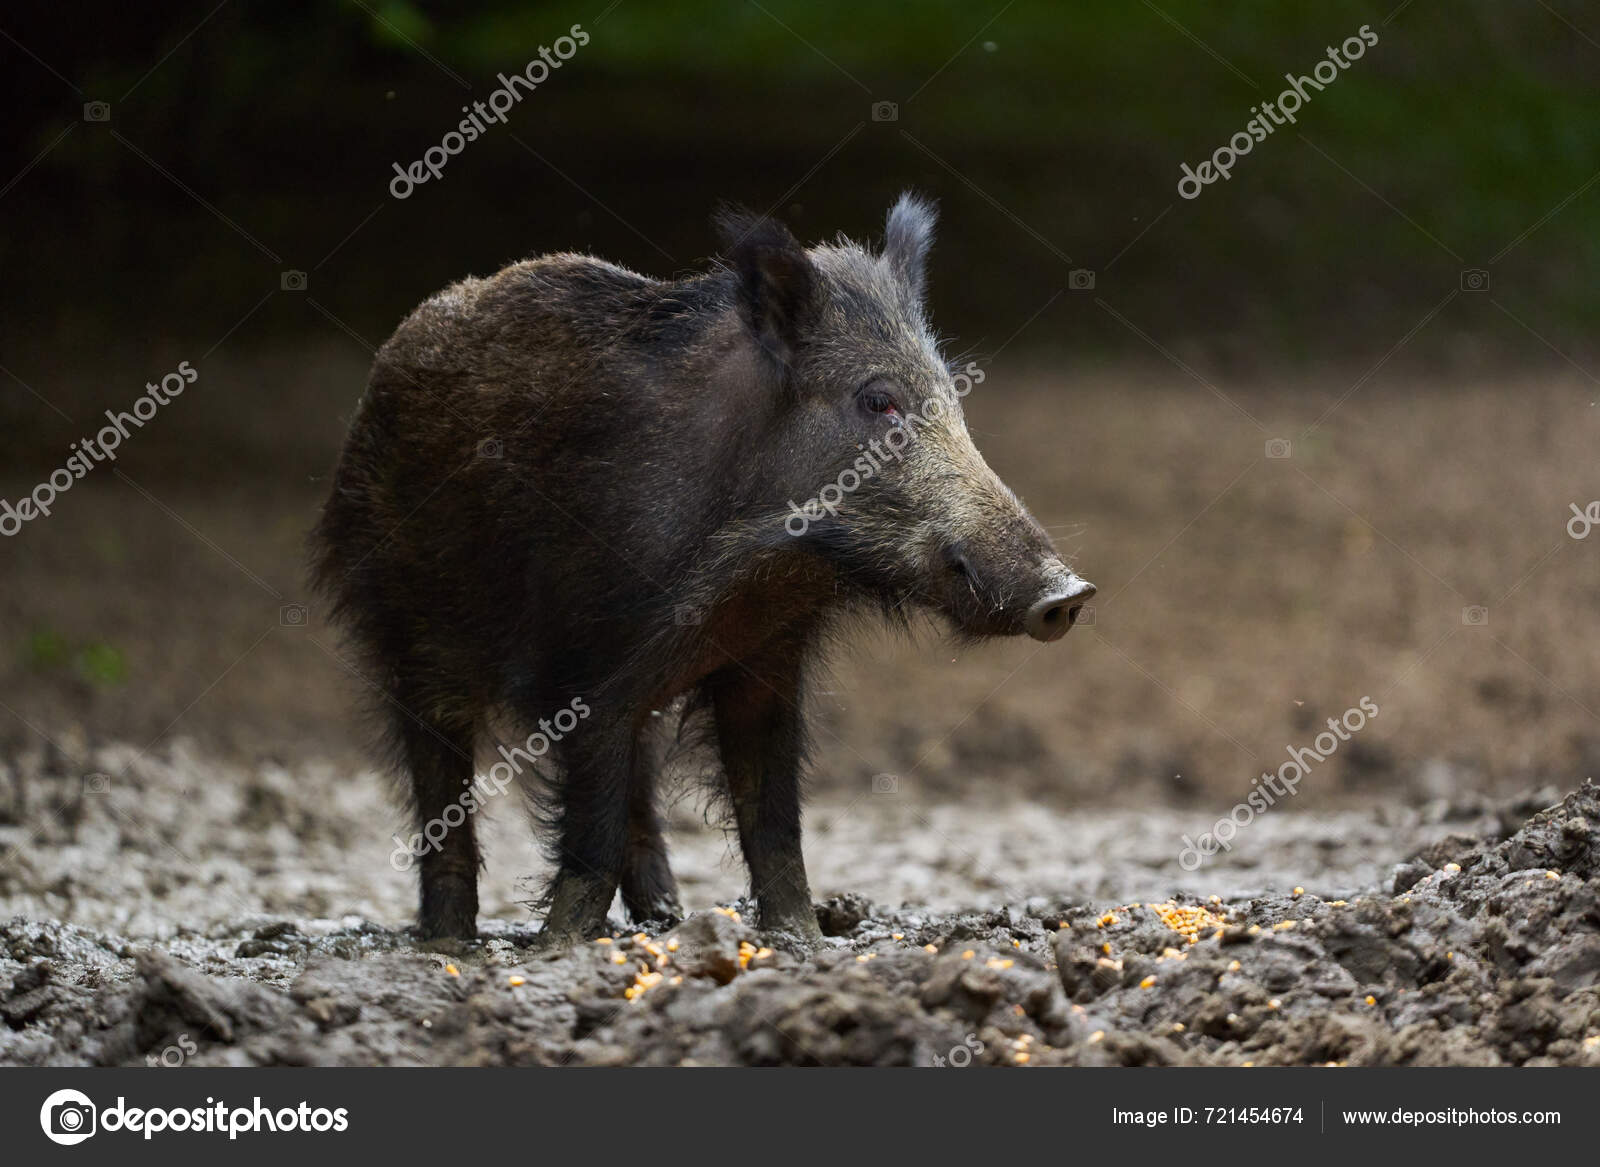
570,484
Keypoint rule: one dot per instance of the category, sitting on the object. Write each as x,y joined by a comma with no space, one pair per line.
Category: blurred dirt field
194,843
1244,599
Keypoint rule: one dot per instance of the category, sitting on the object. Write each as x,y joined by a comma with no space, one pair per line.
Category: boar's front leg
761,736
592,819
649,891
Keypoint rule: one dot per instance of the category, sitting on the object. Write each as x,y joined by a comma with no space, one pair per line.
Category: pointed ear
907,240
777,282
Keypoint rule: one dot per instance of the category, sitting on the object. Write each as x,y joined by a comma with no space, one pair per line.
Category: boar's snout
1057,610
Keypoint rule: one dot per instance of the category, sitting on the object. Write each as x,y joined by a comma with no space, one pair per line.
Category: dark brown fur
568,481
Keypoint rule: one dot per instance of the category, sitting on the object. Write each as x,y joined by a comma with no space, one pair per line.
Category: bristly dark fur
569,481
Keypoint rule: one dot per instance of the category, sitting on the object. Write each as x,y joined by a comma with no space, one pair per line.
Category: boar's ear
907,239
777,282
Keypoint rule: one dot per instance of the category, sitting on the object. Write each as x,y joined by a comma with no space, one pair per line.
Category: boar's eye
875,399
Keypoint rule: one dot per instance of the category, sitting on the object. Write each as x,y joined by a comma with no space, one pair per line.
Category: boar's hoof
797,933
664,912
555,941
577,912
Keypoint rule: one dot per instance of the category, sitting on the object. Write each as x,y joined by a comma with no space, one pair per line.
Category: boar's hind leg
648,890
761,736
439,764
592,819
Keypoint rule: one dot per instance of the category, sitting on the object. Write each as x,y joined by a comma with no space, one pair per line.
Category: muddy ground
195,854
171,909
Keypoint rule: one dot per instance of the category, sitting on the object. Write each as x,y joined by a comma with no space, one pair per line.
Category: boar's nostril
1049,618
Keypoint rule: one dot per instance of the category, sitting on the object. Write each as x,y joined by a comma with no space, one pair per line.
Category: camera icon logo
1475,615
687,615
68,1117
491,448
97,111
1080,279
1278,448
292,281
1085,617
293,615
885,784
97,783
1474,279
885,111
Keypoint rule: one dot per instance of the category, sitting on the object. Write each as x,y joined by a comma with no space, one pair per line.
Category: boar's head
888,484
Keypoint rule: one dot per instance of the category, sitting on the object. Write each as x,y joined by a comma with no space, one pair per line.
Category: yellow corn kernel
452,970
1147,982
515,981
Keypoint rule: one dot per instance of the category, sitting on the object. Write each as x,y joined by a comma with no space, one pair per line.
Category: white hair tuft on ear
907,238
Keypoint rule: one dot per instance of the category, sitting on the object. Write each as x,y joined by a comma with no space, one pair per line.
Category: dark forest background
245,139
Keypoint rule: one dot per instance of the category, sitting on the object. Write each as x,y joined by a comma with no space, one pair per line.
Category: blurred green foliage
46,650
